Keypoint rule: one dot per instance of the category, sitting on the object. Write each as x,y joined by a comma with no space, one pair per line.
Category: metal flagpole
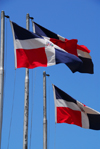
44,112
2,69
26,100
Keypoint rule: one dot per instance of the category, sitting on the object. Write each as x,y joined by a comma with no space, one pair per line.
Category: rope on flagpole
32,100
55,138
50,82
48,114
5,58
12,111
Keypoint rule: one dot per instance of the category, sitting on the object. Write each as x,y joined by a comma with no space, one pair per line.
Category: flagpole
2,69
44,112
26,100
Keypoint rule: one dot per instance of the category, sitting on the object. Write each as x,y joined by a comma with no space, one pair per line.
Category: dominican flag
33,51
68,110
81,51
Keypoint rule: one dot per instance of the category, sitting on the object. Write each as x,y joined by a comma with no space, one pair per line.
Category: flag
68,110
33,51
82,51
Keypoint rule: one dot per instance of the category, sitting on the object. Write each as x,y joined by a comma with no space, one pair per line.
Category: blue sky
74,19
